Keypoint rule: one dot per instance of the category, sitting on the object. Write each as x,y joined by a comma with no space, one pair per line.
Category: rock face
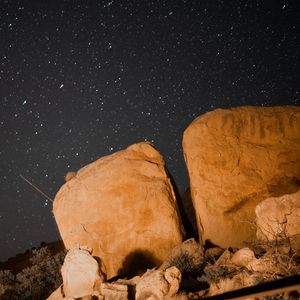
236,158
123,207
278,218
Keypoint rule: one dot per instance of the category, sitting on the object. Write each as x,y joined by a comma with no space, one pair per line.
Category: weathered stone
123,207
242,257
129,282
158,284
227,284
91,297
224,259
213,271
114,291
278,218
80,273
273,263
236,158
263,265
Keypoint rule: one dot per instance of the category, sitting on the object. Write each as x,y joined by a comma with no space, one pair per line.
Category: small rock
278,218
114,291
224,259
129,282
158,284
262,265
229,284
81,275
69,176
242,257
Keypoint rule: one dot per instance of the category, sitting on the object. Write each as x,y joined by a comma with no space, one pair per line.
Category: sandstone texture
123,207
236,282
242,257
278,218
81,274
158,284
236,158
114,291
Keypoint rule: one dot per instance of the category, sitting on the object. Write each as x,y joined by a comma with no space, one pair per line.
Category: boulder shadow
137,262
186,210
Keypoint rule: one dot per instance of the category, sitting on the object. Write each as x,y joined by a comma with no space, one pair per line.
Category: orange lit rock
236,158
158,284
242,257
123,207
278,218
81,274
114,291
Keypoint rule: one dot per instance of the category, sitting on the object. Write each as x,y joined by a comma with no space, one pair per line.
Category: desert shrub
7,281
275,259
36,281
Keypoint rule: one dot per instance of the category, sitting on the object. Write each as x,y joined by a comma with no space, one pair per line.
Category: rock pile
83,279
118,216
246,267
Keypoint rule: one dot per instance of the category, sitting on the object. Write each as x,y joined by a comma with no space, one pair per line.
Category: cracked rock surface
278,218
80,273
123,207
236,158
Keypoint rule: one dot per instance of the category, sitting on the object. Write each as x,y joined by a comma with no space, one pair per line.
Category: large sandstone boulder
123,207
236,158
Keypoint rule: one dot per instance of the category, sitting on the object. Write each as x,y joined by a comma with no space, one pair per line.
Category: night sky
83,79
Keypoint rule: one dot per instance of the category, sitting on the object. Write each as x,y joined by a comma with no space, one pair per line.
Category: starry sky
83,79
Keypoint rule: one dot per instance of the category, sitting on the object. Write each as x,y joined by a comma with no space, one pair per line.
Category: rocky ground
188,273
